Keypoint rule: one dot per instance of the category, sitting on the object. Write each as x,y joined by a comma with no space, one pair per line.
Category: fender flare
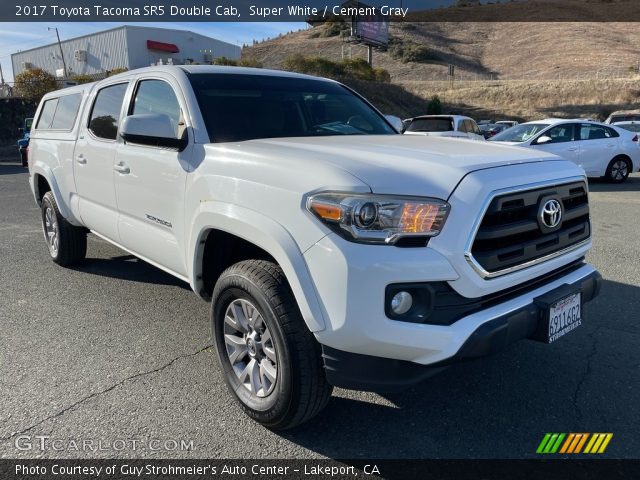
45,171
265,233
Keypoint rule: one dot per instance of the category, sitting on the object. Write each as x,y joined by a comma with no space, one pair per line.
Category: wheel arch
43,181
223,234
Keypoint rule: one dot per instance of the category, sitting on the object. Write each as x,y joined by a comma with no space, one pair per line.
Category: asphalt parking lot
115,349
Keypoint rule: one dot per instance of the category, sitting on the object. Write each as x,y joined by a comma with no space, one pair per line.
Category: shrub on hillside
34,84
357,68
408,51
331,28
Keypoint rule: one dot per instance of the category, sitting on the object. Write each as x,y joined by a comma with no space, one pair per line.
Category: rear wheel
67,243
270,360
618,170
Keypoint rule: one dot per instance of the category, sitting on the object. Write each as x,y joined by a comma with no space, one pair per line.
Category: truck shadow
632,184
12,169
498,406
128,267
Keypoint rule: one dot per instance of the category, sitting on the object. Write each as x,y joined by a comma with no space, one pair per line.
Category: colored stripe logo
574,443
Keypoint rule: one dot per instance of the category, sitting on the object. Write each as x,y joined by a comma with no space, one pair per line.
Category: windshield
520,133
632,127
247,107
434,124
626,117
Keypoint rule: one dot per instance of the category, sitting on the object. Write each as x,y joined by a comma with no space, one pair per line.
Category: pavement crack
587,372
106,390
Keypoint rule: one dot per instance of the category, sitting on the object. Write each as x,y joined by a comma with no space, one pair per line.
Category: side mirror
153,129
395,123
543,139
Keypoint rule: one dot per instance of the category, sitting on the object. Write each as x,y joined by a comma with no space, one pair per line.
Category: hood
394,164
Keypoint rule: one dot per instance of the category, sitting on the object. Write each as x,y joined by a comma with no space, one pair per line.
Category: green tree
435,106
80,79
35,83
116,71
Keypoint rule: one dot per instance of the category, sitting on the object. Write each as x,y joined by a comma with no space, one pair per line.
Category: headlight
379,218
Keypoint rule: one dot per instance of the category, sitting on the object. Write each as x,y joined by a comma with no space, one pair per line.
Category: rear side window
105,114
438,124
596,132
60,113
66,112
46,116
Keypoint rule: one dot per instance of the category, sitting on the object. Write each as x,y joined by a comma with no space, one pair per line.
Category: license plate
565,315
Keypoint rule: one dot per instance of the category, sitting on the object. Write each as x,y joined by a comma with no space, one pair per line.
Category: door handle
573,149
121,168
81,159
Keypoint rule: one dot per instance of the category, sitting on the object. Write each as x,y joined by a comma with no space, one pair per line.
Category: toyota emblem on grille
551,213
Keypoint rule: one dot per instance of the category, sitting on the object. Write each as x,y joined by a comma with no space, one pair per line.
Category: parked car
601,150
334,251
623,116
632,126
485,121
508,123
23,142
491,129
444,126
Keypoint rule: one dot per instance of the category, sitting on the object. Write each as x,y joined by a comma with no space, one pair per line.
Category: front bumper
366,372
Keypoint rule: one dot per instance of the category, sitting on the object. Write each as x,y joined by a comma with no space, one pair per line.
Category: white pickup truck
334,251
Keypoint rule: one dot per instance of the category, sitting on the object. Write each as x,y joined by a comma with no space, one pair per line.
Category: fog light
401,303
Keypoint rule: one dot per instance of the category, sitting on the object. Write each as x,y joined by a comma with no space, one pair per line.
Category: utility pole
64,64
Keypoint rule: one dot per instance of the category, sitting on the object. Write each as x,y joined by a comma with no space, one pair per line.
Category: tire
254,317
618,170
67,244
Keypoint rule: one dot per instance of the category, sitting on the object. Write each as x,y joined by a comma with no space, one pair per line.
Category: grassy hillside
482,50
524,70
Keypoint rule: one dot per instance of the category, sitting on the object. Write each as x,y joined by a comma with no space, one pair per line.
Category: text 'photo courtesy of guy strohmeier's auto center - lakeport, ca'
320,239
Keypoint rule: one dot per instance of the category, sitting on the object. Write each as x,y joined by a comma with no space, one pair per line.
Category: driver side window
560,133
157,96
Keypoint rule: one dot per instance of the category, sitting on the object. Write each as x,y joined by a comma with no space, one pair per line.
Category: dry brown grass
518,50
535,99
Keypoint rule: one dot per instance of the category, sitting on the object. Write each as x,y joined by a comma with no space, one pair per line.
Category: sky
23,36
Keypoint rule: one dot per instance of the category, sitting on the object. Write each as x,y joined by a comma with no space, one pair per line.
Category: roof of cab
195,69
189,69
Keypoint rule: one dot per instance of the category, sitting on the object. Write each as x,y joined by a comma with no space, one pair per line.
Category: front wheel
67,243
618,170
270,360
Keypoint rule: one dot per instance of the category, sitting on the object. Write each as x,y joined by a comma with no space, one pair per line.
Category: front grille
511,234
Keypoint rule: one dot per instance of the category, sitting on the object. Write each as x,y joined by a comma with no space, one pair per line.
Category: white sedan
457,126
601,150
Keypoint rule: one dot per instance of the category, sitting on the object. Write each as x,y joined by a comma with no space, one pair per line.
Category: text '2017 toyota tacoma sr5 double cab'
334,251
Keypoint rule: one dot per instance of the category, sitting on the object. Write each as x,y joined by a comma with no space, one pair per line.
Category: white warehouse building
123,47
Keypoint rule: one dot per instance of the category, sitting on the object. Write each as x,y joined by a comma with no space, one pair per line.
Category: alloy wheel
51,231
619,170
250,347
